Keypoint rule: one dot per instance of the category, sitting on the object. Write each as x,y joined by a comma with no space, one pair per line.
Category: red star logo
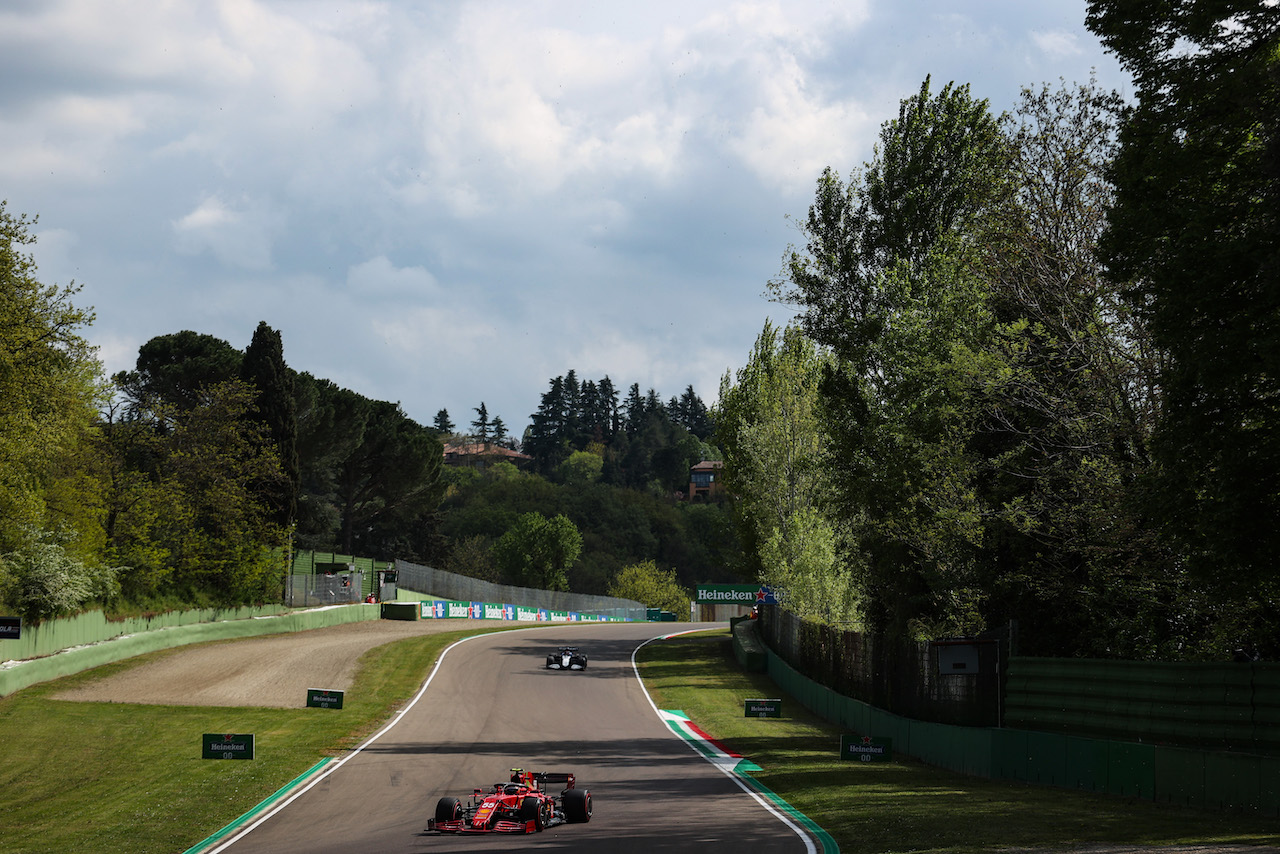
866,739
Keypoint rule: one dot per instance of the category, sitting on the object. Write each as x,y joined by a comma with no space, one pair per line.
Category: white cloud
237,237
1057,43
378,277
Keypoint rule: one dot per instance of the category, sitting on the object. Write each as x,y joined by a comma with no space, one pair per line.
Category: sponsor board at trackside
442,610
735,594
228,746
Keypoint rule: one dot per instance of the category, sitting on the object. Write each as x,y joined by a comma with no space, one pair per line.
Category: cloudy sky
450,203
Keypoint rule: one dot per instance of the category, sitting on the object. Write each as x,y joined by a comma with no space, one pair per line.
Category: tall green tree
331,426
442,423
50,388
481,427
537,552
275,408
646,583
888,280
194,523
389,484
176,369
1195,234
769,426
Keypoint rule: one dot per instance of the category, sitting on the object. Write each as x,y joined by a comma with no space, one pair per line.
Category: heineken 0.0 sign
864,748
230,746
762,708
323,698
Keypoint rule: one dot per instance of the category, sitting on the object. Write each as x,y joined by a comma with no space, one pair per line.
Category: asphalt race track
491,706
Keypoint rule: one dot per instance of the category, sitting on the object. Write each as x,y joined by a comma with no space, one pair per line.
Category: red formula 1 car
521,805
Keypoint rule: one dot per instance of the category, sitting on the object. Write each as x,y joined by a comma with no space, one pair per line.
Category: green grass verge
904,805
107,777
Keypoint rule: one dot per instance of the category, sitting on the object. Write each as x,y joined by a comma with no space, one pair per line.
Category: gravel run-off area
273,671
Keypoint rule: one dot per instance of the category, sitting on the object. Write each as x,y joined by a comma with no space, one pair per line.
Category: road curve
490,706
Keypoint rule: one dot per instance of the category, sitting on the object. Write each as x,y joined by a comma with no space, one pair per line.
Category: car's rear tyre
448,809
531,811
577,806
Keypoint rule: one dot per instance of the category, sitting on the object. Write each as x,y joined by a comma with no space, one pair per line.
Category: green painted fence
311,562
52,636
1221,706
1201,778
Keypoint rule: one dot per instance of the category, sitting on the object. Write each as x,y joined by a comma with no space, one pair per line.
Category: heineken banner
734,594
762,708
864,748
441,610
323,698
218,746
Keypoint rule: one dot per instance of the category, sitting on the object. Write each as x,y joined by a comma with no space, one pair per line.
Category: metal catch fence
342,588
907,678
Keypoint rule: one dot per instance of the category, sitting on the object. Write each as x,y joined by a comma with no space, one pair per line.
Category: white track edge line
809,845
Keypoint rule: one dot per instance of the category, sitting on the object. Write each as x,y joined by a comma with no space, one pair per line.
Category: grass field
906,806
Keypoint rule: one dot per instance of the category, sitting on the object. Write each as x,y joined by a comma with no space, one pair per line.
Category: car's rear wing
544,777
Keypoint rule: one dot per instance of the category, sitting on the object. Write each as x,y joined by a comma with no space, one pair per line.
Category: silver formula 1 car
567,658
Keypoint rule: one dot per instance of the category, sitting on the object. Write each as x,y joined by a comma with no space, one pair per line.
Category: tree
537,552
889,282
481,428
389,482
331,425
196,523
443,426
1196,236
41,579
473,557
768,423
656,588
50,388
1064,424
498,431
581,467
275,408
176,369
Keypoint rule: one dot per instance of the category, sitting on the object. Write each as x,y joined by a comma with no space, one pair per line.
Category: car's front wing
463,825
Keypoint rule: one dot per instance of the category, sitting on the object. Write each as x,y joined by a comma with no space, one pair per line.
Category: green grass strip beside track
741,769
283,792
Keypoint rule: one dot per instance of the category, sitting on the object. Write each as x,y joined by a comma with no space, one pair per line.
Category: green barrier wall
22,674
1215,705
747,646
1175,775
52,636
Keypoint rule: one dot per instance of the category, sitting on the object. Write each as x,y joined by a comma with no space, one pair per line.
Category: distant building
703,479
478,455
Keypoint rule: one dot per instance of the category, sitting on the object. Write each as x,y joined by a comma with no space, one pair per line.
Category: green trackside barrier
1192,777
400,610
22,674
1199,705
748,648
53,636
